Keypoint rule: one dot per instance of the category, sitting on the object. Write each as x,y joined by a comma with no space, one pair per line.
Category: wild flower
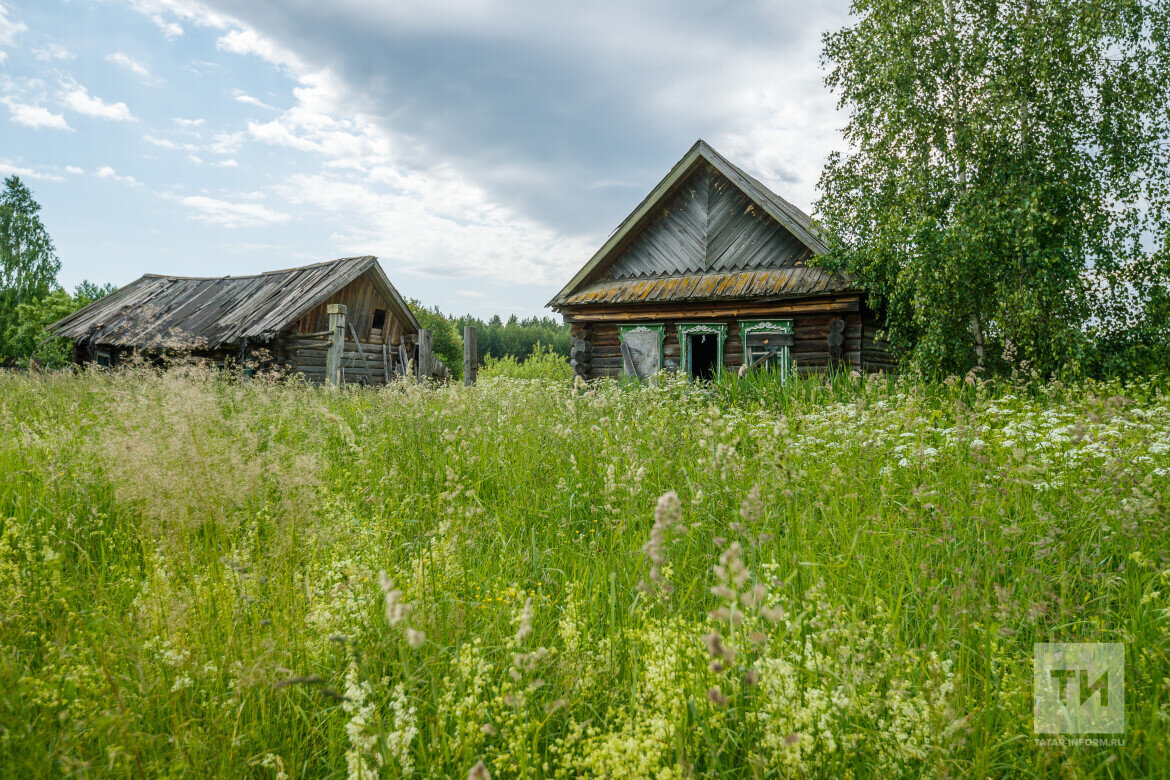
222,538
363,759
396,611
667,516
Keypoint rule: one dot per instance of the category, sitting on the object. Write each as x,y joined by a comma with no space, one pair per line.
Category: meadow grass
838,577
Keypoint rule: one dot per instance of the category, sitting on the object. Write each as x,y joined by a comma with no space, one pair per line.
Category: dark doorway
703,350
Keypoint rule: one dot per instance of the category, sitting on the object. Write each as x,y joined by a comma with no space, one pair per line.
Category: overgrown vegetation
543,363
30,297
1006,186
200,576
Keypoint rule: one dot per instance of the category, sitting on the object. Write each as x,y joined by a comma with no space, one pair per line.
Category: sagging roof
186,312
691,263
780,283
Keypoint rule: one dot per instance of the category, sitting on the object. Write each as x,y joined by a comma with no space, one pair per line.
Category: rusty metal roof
185,312
781,283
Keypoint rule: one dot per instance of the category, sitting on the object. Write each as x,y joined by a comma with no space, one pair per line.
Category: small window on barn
766,345
102,357
378,325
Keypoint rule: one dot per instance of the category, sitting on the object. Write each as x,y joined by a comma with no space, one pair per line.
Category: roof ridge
262,273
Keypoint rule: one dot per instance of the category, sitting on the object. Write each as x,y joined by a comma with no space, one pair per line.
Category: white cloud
9,30
76,98
123,60
232,215
245,41
229,163
435,224
242,97
53,51
225,143
106,172
164,12
221,143
188,123
166,143
36,116
74,169
11,169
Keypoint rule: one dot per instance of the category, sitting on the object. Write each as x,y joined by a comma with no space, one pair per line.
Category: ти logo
1078,688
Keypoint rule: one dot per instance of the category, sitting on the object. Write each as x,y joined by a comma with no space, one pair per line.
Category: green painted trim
775,326
718,329
661,329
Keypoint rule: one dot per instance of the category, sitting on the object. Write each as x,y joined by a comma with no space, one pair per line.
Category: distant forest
497,338
517,337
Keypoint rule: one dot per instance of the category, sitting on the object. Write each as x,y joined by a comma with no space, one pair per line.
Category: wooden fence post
426,346
336,313
470,355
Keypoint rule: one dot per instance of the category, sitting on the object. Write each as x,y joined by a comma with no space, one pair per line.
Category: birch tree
1005,175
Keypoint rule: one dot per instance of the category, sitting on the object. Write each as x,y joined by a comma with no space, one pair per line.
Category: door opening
703,350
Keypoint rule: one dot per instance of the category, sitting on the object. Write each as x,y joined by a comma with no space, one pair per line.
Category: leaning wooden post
470,355
426,345
336,313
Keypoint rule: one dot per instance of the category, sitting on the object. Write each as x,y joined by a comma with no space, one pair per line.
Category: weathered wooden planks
156,313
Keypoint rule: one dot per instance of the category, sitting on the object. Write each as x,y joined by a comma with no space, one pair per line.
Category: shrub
541,363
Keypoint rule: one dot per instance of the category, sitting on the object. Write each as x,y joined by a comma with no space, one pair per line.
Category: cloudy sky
482,149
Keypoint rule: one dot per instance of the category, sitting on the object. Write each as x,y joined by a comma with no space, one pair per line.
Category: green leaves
999,152
28,260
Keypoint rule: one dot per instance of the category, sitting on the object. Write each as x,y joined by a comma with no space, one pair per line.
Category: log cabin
271,321
710,272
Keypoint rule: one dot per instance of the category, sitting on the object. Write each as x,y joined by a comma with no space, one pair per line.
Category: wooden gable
363,299
707,231
708,226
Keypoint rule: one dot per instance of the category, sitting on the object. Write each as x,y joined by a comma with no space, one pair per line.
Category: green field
838,578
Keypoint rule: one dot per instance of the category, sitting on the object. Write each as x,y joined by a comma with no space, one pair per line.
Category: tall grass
840,577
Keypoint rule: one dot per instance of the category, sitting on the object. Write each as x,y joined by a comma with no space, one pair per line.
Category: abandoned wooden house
276,320
711,271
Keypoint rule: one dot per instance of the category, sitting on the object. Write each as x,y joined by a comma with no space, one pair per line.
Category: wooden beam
747,310
336,313
426,346
470,355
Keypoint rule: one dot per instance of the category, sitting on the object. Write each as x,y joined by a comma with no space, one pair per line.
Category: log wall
596,350
374,363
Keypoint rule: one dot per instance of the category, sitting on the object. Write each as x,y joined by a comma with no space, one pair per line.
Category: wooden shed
276,319
711,270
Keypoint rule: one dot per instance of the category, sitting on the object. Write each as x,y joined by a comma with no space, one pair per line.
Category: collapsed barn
711,271
281,320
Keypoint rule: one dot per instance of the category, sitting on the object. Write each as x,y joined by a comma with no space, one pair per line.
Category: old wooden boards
470,355
336,313
426,353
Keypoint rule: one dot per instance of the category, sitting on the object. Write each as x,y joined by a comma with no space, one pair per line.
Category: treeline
514,340
517,338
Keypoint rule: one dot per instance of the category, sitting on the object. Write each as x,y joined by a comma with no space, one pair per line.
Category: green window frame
747,327
718,329
660,330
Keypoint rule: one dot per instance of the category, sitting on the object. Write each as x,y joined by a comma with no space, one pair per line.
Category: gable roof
587,287
210,312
